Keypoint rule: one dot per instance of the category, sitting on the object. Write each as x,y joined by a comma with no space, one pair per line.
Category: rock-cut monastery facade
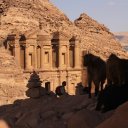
56,57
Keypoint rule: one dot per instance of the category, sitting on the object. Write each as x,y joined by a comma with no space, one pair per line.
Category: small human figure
79,89
60,90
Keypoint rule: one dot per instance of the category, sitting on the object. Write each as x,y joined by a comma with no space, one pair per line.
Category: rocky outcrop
66,112
99,40
34,87
27,16
90,25
52,112
84,119
12,84
118,120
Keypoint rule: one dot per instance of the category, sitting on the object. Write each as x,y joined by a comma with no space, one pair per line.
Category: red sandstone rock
35,92
118,120
12,81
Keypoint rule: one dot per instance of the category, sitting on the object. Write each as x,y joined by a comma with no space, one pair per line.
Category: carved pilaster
35,57
68,82
42,57
50,57
60,52
77,54
46,51
17,49
27,66
17,53
68,58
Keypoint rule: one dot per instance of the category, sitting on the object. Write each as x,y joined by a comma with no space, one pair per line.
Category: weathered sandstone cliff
12,84
25,16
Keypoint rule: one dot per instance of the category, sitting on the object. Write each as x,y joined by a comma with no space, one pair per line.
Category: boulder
35,92
84,119
118,119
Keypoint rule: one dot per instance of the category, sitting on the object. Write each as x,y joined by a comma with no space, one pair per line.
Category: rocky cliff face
12,81
118,119
52,112
25,16
97,38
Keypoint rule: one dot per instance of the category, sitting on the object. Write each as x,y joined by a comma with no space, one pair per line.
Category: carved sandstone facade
55,57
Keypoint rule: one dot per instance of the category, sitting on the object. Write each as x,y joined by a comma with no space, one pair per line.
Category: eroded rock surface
26,16
12,84
52,112
118,119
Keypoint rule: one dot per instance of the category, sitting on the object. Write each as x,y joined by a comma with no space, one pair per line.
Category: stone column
35,57
60,78
50,57
68,58
16,50
17,53
1,11
42,58
60,56
77,54
27,66
68,82
46,47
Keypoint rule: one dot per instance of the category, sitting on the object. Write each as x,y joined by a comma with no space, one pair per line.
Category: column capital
16,45
17,36
26,45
